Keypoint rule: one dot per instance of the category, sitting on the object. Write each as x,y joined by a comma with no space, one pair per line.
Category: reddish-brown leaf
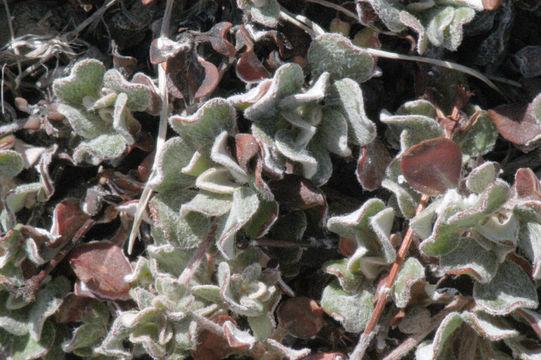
210,80
250,69
7,141
126,64
162,50
22,105
211,346
297,193
102,266
246,147
517,124
301,316
144,169
527,184
432,166
347,246
53,114
123,185
373,160
73,308
243,39
67,219
218,40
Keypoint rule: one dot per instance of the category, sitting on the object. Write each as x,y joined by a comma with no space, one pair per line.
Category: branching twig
398,353
367,335
32,285
98,13
162,132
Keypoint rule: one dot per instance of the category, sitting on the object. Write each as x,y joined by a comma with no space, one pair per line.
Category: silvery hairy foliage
251,244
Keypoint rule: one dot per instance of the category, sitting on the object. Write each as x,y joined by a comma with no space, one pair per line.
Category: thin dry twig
162,132
314,31
97,14
382,295
12,34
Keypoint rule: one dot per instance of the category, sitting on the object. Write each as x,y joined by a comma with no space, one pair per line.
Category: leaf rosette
99,107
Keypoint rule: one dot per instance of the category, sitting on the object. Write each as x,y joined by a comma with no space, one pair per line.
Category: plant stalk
162,133
367,335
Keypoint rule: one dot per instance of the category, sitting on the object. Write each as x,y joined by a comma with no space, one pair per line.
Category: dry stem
162,133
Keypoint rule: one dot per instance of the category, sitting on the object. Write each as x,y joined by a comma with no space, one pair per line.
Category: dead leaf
68,218
297,193
246,148
73,308
301,316
518,124
432,166
217,36
527,184
102,267
249,69
373,160
211,346
492,4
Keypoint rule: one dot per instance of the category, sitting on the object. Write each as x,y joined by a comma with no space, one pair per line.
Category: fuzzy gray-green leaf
530,244
48,300
509,290
345,96
480,138
245,204
411,272
85,80
86,124
138,95
11,163
352,310
332,132
107,146
334,53
288,80
175,155
200,129
472,259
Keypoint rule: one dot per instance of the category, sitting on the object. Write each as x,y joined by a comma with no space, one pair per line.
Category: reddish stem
367,335
32,285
